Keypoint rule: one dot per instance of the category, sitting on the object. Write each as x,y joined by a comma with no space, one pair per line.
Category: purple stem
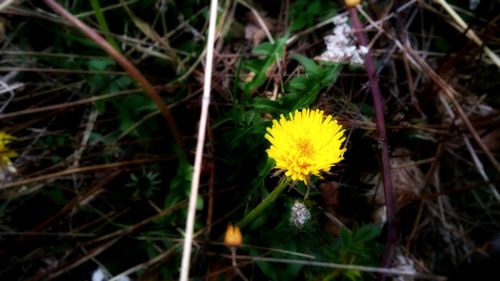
378,103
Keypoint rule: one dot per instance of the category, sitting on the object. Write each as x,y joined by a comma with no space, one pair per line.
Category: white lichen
341,46
299,214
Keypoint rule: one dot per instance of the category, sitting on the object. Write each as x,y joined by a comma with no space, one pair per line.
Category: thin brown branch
450,93
64,105
72,171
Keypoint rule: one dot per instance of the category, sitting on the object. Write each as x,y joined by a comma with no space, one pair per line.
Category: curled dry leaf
330,203
492,140
254,31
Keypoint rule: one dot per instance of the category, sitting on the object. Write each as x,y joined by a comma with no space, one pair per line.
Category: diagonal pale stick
188,234
124,62
469,32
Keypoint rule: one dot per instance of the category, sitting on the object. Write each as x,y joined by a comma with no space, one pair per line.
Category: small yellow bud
233,236
5,152
352,3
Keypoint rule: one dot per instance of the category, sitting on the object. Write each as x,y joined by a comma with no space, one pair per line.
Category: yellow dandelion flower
5,153
352,3
306,144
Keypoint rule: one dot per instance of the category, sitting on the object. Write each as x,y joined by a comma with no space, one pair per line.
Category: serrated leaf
346,237
352,275
367,232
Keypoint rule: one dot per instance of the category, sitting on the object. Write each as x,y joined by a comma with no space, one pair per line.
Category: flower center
305,148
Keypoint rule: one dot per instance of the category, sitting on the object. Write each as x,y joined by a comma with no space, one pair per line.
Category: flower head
5,153
352,3
305,144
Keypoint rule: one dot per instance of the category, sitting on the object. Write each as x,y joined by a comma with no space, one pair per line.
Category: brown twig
382,136
71,171
124,62
446,89
65,105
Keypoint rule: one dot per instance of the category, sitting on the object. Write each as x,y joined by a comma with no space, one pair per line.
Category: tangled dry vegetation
97,139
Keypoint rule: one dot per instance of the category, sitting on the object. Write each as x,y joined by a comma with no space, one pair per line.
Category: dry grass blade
200,144
387,271
469,32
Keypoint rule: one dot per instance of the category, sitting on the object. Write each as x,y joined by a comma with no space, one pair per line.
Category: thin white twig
5,4
188,239
9,88
6,88
390,271
480,168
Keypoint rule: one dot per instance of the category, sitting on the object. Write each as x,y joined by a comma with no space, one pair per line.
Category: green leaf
346,238
367,232
299,83
266,105
57,196
179,186
103,25
309,64
352,275
303,91
271,53
100,64
304,13
119,84
264,48
199,203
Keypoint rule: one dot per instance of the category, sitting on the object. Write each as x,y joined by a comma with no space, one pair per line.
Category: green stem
264,204
103,25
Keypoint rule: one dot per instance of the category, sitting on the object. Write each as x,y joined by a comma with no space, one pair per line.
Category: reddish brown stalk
124,62
378,103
